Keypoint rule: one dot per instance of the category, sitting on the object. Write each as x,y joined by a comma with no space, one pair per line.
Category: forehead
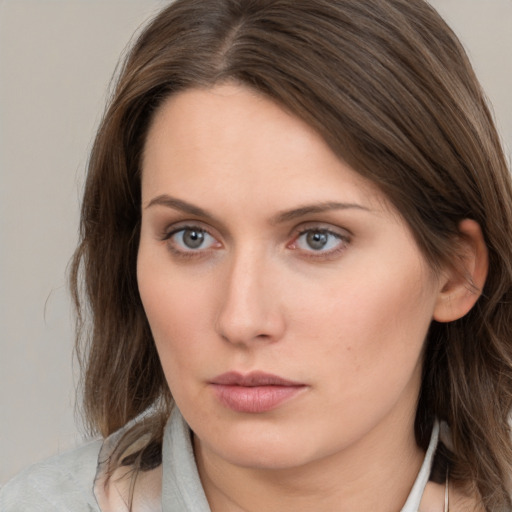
229,116
231,135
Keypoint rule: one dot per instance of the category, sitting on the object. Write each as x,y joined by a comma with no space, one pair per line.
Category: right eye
190,239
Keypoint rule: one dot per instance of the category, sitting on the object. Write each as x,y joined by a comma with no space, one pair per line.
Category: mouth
256,392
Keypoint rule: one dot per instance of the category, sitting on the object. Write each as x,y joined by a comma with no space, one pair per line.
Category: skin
348,321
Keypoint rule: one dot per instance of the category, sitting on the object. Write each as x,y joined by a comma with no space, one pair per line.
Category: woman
295,250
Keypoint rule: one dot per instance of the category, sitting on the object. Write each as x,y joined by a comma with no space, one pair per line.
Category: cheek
177,315
372,304
370,330
172,311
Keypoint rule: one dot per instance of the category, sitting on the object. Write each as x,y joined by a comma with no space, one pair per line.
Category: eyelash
191,253
344,240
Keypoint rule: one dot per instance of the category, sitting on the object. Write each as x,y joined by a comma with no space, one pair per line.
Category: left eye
318,240
191,239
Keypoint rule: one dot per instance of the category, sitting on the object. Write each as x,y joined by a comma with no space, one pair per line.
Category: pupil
317,240
193,239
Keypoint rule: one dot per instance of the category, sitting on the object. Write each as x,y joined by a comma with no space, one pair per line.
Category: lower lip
255,399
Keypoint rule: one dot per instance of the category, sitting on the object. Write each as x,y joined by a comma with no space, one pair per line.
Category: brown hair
390,88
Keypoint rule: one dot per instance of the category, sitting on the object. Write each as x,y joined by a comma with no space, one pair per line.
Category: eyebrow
323,207
280,218
178,204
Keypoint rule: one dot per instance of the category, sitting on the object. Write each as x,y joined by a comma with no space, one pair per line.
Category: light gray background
56,60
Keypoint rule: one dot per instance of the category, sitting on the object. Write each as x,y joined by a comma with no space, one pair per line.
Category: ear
462,285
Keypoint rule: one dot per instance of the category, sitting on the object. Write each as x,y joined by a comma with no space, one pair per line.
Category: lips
256,392
252,379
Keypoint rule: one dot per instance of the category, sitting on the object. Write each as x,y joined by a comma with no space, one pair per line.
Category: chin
262,450
266,458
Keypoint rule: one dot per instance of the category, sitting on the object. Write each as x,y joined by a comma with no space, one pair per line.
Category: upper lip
252,379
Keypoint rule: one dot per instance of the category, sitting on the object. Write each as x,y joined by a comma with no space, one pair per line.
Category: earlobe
462,286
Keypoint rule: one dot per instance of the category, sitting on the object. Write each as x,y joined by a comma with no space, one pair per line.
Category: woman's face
288,301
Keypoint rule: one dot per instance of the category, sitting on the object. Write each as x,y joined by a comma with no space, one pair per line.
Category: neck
376,473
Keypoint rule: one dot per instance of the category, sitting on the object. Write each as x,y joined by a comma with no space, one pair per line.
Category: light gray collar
413,501
182,490
181,487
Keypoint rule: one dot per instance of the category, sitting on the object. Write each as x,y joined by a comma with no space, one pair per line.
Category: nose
250,306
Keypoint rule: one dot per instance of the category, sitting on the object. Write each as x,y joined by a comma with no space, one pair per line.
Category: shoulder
63,483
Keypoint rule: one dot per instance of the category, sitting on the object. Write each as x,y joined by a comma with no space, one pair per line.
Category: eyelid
343,234
173,229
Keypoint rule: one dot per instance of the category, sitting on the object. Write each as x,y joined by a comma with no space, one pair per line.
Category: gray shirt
74,481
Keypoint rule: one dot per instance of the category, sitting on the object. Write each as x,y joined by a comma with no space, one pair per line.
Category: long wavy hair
389,87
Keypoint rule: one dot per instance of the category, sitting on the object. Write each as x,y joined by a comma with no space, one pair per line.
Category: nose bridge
249,306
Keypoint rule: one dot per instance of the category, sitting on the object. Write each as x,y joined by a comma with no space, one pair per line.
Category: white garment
73,482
